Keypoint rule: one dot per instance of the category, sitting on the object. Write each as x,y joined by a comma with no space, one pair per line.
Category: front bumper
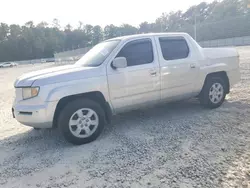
37,116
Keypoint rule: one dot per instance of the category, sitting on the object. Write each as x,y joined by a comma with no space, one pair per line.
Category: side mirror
119,62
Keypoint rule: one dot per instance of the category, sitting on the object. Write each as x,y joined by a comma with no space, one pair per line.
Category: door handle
192,66
152,72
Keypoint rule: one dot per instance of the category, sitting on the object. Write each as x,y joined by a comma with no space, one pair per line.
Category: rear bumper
37,116
234,77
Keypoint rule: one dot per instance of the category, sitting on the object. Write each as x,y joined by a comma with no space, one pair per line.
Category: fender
79,87
207,68
212,68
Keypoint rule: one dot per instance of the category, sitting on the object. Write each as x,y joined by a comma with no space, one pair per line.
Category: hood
56,75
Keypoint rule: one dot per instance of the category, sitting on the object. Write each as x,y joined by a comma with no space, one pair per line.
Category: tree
145,27
219,19
80,27
14,36
29,24
4,31
110,31
97,35
88,29
42,24
56,23
68,28
126,29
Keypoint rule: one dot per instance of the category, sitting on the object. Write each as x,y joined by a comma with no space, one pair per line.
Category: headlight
30,92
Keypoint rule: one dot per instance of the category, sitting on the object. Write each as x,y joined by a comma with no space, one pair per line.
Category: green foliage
97,35
110,31
219,19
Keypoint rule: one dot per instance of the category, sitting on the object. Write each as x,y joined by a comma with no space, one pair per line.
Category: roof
147,35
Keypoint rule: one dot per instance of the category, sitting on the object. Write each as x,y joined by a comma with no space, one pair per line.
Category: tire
87,127
211,96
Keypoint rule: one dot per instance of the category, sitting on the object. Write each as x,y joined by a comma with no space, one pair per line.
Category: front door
138,84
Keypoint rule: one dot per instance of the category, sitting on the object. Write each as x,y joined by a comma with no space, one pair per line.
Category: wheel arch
220,74
96,96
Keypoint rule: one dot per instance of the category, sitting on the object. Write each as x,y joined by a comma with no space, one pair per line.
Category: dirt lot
176,145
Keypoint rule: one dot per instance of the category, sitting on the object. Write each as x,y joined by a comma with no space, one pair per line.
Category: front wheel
81,121
213,93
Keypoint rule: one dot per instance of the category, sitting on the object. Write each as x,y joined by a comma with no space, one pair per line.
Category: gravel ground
175,145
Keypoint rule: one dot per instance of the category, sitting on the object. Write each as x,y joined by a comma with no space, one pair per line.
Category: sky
94,12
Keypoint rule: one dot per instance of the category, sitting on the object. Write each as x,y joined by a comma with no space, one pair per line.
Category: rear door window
174,48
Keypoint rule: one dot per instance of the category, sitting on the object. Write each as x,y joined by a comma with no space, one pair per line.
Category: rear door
139,83
178,66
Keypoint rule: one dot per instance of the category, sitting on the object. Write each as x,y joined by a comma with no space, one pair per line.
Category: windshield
97,55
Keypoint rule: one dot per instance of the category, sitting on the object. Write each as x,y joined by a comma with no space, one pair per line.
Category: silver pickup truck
122,74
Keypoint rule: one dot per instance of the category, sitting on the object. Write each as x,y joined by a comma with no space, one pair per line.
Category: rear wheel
213,93
81,121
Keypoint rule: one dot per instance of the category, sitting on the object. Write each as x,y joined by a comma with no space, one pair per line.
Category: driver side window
138,52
